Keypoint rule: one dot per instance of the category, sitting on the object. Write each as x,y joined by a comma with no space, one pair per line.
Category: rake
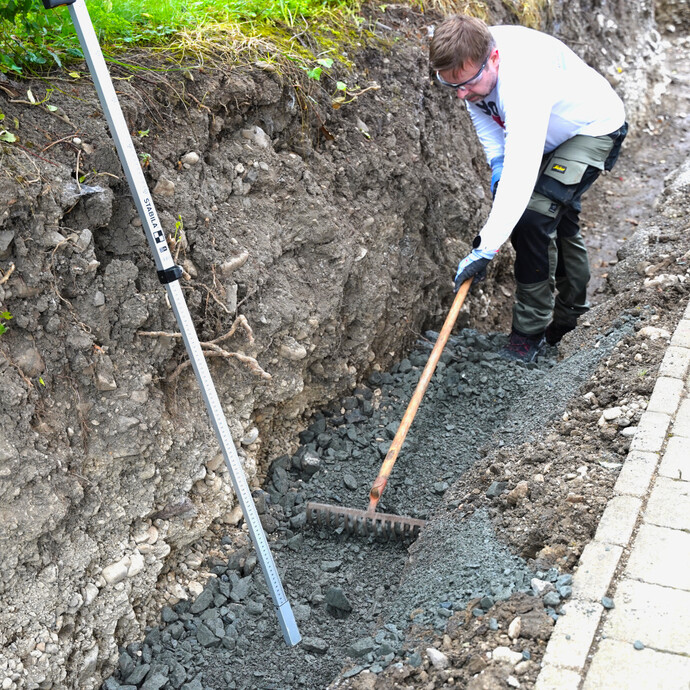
387,525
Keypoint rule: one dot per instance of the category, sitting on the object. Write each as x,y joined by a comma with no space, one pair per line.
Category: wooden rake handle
380,482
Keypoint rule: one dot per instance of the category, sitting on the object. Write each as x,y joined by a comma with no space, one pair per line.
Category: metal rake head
382,526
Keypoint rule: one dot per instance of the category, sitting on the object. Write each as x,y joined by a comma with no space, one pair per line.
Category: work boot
556,330
523,348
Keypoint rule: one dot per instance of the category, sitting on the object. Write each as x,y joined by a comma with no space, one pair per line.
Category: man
549,125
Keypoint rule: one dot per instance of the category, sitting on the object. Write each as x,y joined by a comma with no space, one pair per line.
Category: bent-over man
549,125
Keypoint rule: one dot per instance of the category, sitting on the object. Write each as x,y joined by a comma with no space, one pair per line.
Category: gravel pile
360,604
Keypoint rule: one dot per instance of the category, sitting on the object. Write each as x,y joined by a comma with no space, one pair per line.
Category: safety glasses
468,82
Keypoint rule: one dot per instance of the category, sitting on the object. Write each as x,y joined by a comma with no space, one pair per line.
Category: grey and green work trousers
551,264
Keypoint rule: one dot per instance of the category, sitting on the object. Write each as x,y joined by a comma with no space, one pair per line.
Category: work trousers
551,264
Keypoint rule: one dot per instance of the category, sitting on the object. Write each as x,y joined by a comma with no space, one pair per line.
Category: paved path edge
569,648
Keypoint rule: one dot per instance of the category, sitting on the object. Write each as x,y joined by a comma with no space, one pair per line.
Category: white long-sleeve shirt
545,94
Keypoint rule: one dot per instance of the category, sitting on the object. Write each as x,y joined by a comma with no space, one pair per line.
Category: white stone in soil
292,350
611,413
506,654
514,628
116,572
653,333
164,187
191,158
523,667
437,659
250,437
540,587
90,593
195,588
136,565
590,398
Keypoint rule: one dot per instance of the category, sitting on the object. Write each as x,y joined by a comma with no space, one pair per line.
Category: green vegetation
208,32
5,316
33,40
529,12
202,32
5,135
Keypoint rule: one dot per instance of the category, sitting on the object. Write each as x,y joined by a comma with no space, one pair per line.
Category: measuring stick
169,275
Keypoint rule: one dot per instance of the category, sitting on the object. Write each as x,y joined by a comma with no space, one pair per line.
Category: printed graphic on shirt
490,109
557,167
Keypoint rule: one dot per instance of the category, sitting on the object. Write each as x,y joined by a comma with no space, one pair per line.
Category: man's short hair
458,40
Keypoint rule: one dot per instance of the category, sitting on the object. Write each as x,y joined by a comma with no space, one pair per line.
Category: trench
355,598
362,604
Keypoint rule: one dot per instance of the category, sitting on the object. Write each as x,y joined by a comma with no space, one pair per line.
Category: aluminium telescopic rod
169,275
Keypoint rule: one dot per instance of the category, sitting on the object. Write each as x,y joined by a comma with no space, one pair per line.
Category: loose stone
507,654
361,648
191,158
540,587
331,566
514,628
486,603
611,413
350,482
496,489
438,659
337,602
314,644
607,603
552,599
164,187
116,572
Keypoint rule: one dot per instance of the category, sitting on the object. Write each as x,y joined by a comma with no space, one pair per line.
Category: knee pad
531,238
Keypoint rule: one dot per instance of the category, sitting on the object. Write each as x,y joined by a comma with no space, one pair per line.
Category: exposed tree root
212,349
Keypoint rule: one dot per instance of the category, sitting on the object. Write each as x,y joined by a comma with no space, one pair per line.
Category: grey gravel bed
354,598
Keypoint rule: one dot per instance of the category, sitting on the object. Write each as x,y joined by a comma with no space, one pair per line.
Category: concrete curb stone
653,582
636,474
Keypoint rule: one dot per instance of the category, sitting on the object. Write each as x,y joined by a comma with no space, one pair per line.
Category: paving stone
681,425
637,472
676,461
651,432
556,678
661,556
666,396
573,634
669,504
675,363
649,613
617,665
597,564
618,521
681,336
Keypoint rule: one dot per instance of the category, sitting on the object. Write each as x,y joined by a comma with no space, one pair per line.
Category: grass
529,12
34,40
